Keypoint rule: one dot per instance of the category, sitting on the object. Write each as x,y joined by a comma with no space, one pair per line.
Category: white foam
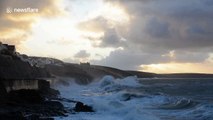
107,80
130,81
107,99
107,104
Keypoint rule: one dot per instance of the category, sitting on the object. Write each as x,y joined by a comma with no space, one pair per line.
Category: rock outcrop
13,67
25,96
81,107
27,104
70,70
3,92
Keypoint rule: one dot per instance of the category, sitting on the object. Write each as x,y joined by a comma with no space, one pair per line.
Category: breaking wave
126,99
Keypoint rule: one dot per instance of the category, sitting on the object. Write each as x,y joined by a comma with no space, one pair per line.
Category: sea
133,98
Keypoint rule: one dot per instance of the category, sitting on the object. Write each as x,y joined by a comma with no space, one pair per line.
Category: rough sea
135,98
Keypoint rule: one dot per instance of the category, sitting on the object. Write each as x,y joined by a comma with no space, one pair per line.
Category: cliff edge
13,67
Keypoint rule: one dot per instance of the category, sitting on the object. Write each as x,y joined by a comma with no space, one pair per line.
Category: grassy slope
88,73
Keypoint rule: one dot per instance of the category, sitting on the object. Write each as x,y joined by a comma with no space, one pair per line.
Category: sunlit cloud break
130,35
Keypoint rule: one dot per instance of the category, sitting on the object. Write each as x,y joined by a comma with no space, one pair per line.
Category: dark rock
39,111
50,93
46,109
43,85
80,107
37,117
3,92
32,117
54,92
54,104
25,96
46,118
32,102
12,116
12,67
45,90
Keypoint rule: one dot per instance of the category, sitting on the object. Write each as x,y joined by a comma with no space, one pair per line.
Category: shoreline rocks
81,107
30,103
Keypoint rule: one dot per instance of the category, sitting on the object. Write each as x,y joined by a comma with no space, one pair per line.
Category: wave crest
179,104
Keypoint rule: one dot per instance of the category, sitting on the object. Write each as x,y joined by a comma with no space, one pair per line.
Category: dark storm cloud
186,24
127,59
208,2
130,59
187,56
158,27
82,54
111,39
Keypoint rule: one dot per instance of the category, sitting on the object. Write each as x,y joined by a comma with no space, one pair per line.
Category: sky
162,36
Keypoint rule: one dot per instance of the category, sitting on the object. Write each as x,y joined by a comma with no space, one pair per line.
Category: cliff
16,66
13,67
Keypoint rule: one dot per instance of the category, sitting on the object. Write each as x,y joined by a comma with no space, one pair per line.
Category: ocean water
133,98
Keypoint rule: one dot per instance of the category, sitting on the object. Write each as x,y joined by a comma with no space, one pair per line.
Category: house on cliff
7,49
85,64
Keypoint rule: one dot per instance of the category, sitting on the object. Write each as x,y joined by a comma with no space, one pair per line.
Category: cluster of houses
85,64
7,49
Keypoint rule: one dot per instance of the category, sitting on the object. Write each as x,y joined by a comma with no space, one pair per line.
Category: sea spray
128,99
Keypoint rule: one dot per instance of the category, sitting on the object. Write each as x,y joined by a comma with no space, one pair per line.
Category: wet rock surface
46,91
12,116
3,92
81,107
30,104
15,68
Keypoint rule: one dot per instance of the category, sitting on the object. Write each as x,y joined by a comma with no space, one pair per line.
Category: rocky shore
21,101
40,103
27,104
13,67
24,95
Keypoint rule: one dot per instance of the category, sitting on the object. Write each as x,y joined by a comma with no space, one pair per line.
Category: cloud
16,27
111,36
189,57
127,59
157,28
82,54
132,59
61,41
171,24
98,24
